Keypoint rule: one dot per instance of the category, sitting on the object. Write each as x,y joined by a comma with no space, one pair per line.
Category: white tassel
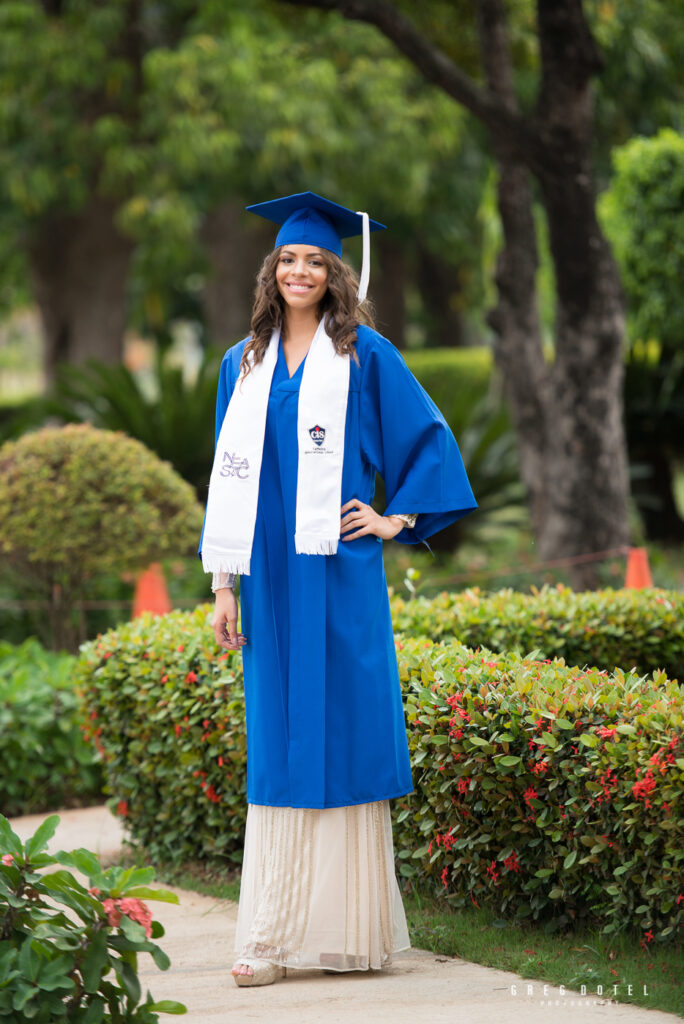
365,262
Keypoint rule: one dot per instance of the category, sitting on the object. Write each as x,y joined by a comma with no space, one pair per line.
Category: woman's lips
294,287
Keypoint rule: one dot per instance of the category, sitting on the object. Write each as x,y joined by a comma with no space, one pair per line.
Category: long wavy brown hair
342,311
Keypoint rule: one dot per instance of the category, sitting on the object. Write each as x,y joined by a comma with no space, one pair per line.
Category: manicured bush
544,790
79,965
46,763
166,713
76,502
526,770
642,629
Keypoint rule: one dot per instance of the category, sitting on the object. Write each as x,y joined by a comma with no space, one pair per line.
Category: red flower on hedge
444,877
492,871
512,863
530,794
191,677
643,787
122,808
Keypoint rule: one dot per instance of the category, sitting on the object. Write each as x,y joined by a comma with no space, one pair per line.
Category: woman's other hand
224,621
363,519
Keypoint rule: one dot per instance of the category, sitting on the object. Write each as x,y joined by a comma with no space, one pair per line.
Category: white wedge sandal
265,973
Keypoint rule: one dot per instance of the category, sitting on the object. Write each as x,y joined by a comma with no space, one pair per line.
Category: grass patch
219,882
582,957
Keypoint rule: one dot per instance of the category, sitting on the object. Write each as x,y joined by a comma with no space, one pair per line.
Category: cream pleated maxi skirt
318,888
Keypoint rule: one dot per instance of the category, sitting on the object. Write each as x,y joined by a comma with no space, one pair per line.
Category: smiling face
301,276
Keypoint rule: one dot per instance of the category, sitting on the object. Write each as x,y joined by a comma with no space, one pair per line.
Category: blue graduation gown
325,719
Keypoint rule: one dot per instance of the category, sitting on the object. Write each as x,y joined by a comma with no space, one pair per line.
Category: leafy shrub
170,714
79,965
75,501
641,629
46,762
544,790
167,715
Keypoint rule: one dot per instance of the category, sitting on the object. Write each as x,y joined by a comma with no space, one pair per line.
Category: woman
322,403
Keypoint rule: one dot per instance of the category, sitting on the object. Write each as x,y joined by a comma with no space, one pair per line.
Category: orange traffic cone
151,594
638,574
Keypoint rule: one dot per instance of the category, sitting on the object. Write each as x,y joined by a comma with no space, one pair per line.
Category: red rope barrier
556,563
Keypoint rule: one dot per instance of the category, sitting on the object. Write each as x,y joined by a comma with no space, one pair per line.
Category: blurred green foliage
186,107
643,212
173,418
46,762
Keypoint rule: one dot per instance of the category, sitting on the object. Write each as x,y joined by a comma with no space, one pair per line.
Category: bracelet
221,580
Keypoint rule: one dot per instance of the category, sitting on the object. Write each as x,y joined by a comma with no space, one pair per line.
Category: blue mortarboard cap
309,219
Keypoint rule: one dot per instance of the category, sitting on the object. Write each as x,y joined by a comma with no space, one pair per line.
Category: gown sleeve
224,390
405,437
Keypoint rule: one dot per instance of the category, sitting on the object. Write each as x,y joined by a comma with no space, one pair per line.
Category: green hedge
455,378
168,712
544,790
642,629
46,763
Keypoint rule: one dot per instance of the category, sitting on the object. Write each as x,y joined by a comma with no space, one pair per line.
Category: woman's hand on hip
363,519
224,621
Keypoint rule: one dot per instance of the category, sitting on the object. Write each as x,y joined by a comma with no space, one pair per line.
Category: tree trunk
387,284
235,253
79,268
440,292
518,350
586,466
579,457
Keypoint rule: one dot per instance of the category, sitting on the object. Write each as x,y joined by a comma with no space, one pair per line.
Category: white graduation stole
234,483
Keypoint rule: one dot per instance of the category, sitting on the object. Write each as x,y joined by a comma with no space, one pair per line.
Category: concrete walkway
420,986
